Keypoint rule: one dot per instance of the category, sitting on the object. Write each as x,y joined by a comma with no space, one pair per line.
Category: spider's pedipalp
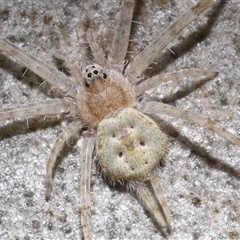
85,198
174,76
73,66
46,72
157,107
71,130
96,50
48,107
121,38
146,57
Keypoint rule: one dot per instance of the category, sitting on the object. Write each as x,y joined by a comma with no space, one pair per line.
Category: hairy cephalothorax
104,97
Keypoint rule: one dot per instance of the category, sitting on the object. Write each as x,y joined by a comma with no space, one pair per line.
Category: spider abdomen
129,145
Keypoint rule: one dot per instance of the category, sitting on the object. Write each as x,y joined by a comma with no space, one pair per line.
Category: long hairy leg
120,41
85,197
96,49
156,186
174,76
74,55
46,72
69,132
149,201
146,57
49,107
157,107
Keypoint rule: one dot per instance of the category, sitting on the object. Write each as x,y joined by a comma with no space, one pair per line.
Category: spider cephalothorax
106,92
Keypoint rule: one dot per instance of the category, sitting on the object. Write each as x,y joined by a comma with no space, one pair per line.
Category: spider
104,97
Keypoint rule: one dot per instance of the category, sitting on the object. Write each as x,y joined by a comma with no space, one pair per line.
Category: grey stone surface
201,172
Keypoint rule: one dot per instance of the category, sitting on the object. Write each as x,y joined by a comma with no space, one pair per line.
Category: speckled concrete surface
201,174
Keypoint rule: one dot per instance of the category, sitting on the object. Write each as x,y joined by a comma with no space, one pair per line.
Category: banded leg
69,132
85,196
157,107
46,72
149,201
49,107
157,188
146,57
121,37
175,76
96,50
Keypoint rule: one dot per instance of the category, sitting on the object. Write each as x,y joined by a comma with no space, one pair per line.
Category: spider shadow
63,154
24,126
180,48
201,152
121,187
211,161
182,91
27,77
19,72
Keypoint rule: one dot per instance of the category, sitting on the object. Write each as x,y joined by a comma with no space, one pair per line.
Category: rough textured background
201,175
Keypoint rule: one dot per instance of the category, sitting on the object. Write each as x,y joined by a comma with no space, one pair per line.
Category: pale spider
102,97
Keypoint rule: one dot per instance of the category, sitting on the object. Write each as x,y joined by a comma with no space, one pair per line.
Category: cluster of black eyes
90,74
96,72
87,84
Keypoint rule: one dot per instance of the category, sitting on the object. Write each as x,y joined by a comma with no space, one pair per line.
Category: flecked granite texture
201,174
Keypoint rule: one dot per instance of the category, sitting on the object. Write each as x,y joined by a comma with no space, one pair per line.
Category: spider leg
174,76
46,72
121,37
73,66
49,107
70,131
149,201
157,107
156,186
146,57
96,50
85,197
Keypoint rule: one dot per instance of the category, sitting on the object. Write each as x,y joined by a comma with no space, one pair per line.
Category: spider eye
104,75
87,84
89,75
95,72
